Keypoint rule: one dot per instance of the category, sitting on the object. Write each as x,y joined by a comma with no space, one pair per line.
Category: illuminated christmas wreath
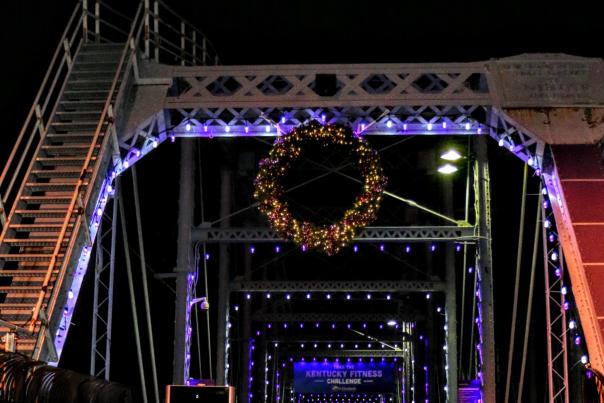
269,189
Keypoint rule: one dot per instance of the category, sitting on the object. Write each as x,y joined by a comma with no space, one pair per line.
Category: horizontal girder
338,286
367,234
386,352
329,85
331,338
380,317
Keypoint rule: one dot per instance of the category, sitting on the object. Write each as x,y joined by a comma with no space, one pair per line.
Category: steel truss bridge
118,87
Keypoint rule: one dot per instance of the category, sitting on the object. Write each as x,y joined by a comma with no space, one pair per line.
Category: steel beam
450,304
223,280
246,336
102,310
325,317
555,320
184,267
509,134
351,353
329,85
485,270
324,338
341,286
367,234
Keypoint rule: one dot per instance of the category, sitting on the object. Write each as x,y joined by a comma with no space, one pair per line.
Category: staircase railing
86,25
34,128
171,39
166,38
74,210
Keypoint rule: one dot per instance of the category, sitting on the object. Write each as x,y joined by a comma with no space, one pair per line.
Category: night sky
278,32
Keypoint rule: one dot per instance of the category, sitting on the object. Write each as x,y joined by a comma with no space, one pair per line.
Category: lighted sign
327,377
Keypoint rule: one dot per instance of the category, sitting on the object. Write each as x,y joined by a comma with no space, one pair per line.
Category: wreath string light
269,189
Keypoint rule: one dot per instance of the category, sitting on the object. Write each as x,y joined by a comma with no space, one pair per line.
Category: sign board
548,80
329,377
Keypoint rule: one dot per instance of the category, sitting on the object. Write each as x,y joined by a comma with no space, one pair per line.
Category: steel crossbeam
354,84
352,353
509,134
324,317
284,339
335,286
368,234
102,316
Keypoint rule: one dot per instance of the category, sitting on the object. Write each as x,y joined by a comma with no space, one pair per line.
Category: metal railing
161,34
40,113
74,211
167,37
171,39
87,25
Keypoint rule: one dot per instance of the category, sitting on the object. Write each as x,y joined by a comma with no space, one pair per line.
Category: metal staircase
41,228
58,177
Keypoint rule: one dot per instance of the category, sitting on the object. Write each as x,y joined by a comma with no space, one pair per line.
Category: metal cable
516,285
530,298
131,288
144,281
305,182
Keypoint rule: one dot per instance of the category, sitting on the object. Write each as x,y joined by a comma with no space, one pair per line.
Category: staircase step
62,160
88,84
90,80
71,115
15,257
96,73
96,45
22,336
89,91
25,273
25,305
58,173
35,264
71,137
44,187
70,105
86,94
34,242
111,58
101,50
11,288
25,344
88,65
20,297
46,199
76,125
38,227
55,213
72,148
22,316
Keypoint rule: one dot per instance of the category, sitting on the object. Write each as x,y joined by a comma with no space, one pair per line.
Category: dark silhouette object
23,380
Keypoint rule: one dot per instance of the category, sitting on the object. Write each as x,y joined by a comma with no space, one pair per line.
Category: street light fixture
451,155
447,169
